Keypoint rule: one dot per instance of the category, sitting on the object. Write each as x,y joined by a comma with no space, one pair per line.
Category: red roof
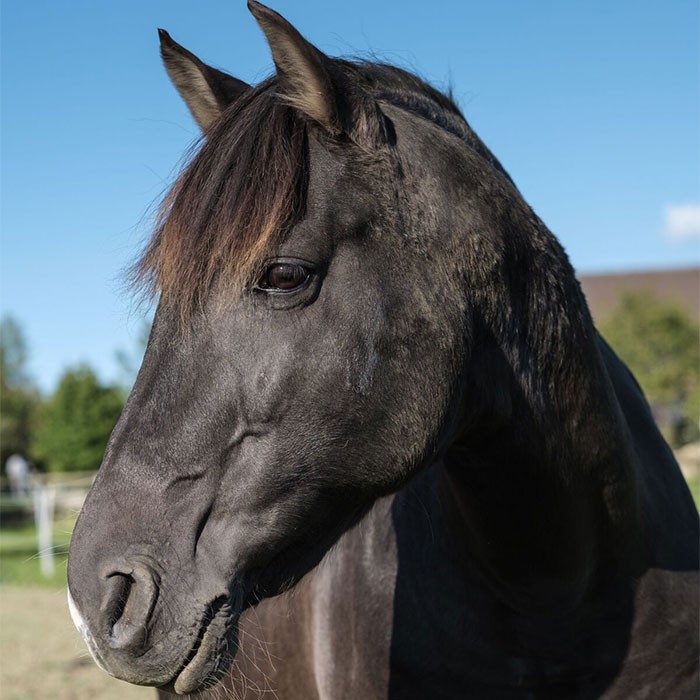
680,285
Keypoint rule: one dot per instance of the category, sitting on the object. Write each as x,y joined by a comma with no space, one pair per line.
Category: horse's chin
202,665
210,656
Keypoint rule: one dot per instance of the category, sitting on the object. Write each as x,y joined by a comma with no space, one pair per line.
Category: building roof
680,285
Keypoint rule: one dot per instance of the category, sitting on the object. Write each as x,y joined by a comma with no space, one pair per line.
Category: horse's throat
546,501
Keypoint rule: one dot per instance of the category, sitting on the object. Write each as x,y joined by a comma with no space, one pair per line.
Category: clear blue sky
591,106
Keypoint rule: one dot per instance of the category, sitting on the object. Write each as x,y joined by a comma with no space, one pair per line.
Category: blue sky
593,108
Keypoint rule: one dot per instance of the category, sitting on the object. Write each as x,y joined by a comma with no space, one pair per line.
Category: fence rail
47,495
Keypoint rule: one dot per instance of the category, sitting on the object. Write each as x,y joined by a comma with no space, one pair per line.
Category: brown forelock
231,205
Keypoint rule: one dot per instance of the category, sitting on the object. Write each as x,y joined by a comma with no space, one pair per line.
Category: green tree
19,399
660,343
13,353
76,422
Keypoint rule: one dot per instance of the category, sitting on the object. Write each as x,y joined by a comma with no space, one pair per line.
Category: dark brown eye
284,276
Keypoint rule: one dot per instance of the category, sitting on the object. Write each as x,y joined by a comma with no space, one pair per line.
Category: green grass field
19,561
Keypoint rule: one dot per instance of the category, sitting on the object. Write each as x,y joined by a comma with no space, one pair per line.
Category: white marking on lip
85,633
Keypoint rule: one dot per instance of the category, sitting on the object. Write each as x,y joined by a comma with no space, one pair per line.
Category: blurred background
593,108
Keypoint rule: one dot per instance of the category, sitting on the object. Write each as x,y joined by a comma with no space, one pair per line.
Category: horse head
305,356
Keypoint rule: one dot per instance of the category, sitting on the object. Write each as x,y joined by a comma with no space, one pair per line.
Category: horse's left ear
206,91
313,84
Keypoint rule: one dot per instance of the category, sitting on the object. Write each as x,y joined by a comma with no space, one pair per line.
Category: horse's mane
244,188
230,204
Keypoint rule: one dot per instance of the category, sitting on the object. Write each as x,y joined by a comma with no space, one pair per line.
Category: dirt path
42,656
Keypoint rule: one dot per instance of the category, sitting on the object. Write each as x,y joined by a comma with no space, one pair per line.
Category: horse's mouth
211,653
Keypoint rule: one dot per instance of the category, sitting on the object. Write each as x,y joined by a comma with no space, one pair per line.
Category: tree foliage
13,354
660,343
67,431
76,422
19,399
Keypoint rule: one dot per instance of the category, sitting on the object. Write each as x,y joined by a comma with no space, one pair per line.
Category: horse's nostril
127,607
117,593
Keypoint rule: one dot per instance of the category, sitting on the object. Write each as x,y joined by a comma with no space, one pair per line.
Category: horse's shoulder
662,658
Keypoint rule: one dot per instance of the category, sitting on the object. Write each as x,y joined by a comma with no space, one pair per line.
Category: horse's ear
303,71
206,90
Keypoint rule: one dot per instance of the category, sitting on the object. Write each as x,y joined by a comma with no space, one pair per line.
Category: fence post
44,500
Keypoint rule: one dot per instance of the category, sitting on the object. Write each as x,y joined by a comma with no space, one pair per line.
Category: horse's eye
284,276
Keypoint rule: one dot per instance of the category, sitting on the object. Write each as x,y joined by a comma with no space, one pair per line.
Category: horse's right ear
313,84
206,90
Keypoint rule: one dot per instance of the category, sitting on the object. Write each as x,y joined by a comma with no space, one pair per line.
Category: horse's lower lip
206,660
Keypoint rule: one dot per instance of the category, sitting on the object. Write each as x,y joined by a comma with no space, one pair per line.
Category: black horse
376,447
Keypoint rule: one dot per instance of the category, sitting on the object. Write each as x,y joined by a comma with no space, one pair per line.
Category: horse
376,447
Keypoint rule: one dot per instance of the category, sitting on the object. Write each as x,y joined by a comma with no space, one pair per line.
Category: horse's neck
524,546
516,547
544,501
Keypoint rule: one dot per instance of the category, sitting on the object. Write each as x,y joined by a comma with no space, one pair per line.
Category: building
681,285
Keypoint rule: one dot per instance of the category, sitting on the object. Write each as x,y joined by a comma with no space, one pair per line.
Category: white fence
50,494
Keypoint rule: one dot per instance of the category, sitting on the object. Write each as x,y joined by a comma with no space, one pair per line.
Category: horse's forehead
327,170
337,188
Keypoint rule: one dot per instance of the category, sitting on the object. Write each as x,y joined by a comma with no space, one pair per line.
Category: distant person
18,470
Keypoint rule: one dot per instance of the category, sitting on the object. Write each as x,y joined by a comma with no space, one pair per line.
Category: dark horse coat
376,448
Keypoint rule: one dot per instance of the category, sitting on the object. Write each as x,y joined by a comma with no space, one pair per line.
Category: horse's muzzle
128,630
117,629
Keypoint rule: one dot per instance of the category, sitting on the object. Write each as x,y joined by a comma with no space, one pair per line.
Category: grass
19,560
